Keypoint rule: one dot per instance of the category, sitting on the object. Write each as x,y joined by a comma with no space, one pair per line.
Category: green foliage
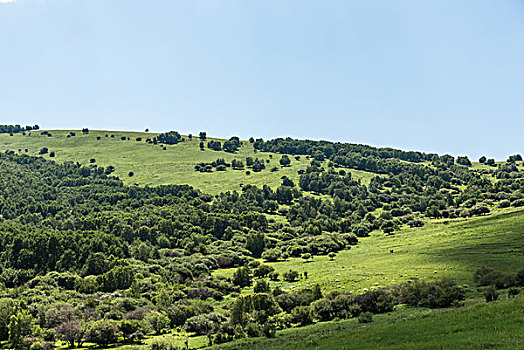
290,276
169,138
242,277
261,286
435,294
102,333
365,317
20,326
255,243
158,321
491,294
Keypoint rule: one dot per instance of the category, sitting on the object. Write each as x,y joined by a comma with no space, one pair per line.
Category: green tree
285,161
158,321
20,326
102,333
255,243
242,277
261,286
70,332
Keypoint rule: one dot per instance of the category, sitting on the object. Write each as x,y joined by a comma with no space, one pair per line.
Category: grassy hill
172,248
478,326
152,165
454,249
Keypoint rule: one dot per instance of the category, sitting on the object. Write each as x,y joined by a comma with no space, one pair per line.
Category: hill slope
152,165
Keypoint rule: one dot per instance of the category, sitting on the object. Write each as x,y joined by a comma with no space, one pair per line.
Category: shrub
301,315
486,276
261,286
435,294
518,203
263,270
323,309
290,276
274,276
512,292
269,330
491,294
504,204
253,330
272,254
365,317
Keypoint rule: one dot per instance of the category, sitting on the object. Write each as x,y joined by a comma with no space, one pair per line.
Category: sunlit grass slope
496,325
152,165
437,250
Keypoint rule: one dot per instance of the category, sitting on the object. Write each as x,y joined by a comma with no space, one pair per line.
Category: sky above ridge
437,76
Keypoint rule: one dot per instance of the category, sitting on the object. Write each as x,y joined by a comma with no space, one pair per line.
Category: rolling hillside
101,237
151,164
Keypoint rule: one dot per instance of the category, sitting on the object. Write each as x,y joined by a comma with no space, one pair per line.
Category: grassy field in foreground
436,250
152,165
496,325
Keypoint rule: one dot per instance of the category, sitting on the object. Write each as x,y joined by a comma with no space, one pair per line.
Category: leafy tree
255,243
285,161
290,276
301,315
169,138
202,135
158,321
242,277
102,333
482,160
70,331
261,286
463,161
8,308
272,254
284,195
20,326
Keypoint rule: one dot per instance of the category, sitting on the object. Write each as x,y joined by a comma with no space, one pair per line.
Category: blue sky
439,76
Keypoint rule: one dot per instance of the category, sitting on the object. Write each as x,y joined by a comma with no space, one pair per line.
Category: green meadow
151,165
453,249
496,325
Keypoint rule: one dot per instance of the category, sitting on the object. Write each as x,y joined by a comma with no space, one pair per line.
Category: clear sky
438,76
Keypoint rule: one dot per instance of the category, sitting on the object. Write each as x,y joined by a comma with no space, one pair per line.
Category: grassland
497,325
442,248
152,165
453,250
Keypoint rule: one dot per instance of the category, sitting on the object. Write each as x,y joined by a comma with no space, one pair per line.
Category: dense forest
85,258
